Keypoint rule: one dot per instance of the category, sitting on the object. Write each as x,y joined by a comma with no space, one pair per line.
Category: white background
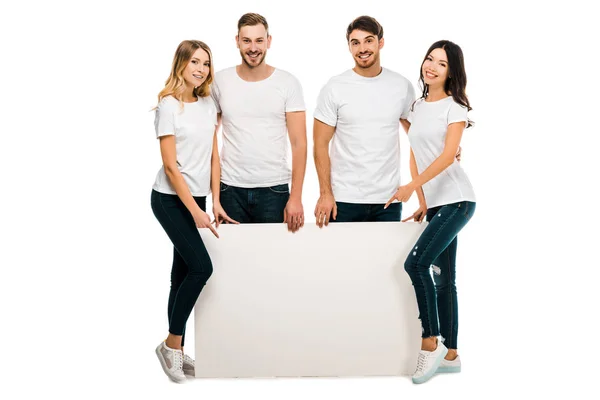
85,266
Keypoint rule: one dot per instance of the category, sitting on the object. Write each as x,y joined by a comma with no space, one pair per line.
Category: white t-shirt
427,136
365,149
255,137
194,129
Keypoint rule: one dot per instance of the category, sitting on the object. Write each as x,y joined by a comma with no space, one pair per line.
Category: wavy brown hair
175,84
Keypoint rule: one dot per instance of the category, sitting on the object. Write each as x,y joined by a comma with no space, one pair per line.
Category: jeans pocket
280,189
223,187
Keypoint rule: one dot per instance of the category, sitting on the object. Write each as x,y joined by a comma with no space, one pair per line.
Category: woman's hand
202,220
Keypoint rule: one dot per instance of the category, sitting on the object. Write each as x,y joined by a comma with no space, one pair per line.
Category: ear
269,37
237,41
381,43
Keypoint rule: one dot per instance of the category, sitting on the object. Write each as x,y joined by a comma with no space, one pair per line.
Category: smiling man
360,112
261,106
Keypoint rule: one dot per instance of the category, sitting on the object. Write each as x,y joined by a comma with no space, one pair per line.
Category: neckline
262,80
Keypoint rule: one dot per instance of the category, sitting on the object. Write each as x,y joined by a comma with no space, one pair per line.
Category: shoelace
421,362
178,359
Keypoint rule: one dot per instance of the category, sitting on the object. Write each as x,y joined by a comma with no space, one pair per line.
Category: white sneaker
171,361
428,363
189,366
449,366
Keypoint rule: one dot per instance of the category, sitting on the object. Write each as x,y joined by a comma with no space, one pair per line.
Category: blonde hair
175,84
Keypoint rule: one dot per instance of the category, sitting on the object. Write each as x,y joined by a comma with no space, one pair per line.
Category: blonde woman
185,122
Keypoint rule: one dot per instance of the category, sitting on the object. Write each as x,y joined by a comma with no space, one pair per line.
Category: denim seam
184,237
450,303
435,236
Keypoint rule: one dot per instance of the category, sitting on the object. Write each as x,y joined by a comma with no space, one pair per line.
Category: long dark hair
456,82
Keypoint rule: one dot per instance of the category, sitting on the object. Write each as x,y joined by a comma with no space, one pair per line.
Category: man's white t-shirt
255,136
194,130
365,149
427,136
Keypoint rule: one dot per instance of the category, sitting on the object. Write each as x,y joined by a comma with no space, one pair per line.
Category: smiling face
435,68
364,48
197,69
253,42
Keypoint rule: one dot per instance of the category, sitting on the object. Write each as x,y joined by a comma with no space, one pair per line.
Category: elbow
318,149
299,143
170,170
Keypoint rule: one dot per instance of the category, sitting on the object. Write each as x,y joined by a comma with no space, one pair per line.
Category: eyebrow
245,37
444,61
367,37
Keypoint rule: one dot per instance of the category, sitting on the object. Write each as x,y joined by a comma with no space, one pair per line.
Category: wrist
412,185
326,192
295,196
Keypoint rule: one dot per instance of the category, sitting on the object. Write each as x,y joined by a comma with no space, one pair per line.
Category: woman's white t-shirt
427,136
194,129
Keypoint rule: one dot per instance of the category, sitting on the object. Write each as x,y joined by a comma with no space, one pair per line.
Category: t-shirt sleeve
295,98
410,99
327,110
409,118
457,113
164,118
215,94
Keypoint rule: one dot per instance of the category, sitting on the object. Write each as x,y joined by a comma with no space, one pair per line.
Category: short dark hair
252,19
367,24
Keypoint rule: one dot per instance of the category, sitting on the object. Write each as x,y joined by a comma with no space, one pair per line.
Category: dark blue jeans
436,249
354,212
191,263
255,205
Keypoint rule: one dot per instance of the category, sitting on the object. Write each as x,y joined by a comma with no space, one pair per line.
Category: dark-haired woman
446,198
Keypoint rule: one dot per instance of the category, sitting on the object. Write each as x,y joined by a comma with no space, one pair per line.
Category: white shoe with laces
171,361
428,362
189,366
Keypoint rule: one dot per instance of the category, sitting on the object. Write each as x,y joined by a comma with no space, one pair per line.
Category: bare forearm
215,166
181,188
298,169
436,167
323,166
414,173
215,179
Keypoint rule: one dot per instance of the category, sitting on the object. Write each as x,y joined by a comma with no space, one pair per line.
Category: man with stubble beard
260,107
360,112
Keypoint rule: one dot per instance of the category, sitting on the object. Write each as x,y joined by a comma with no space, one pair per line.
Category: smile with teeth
253,55
198,76
430,75
364,56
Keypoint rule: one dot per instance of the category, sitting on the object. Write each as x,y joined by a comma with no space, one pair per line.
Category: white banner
320,302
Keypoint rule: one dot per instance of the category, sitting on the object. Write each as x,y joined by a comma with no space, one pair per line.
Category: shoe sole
448,370
189,373
438,361
164,367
